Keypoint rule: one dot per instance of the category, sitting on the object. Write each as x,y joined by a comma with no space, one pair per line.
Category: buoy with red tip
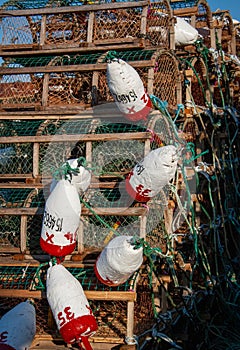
79,176
128,90
61,220
18,327
150,175
70,307
118,261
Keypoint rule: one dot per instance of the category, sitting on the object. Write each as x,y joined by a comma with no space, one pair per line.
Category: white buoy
61,220
128,90
18,327
70,307
150,175
118,261
185,33
81,179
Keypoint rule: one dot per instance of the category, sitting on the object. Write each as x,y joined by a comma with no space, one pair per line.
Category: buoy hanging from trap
61,220
185,33
150,175
78,176
18,327
118,261
128,90
70,307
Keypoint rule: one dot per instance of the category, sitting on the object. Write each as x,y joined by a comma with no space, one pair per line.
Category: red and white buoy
61,220
150,175
80,178
70,307
18,327
128,90
118,261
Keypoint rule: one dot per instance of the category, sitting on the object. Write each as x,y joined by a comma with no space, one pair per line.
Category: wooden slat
90,294
70,9
138,211
105,110
70,68
77,137
66,48
188,11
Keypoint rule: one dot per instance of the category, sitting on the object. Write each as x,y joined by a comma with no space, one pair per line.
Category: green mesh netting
132,55
43,61
73,59
34,278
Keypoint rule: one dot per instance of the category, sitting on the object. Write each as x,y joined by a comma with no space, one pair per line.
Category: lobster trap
223,24
199,15
19,282
110,149
80,25
79,81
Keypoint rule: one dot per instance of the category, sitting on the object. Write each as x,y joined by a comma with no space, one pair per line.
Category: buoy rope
65,171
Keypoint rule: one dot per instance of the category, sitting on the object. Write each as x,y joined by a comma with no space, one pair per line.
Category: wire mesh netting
166,76
73,28
110,161
34,278
85,88
111,322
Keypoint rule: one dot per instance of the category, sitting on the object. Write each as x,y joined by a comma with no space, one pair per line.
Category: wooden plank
77,137
70,68
70,9
93,185
90,294
186,11
138,211
105,110
9,250
49,49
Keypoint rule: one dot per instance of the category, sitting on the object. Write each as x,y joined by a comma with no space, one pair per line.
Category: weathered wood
76,137
90,27
187,11
23,234
130,319
105,110
90,294
69,68
138,211
70,9
36,153
51,49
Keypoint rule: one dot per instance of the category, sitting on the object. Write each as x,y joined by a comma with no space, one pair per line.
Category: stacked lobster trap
53,25
78,81
57,106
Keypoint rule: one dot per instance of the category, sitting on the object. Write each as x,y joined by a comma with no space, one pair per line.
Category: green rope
65,170
190,147
111,55
98,217
200,83
37,276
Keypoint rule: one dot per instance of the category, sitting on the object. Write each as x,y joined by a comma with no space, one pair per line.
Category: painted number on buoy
3,337
51,222
65,316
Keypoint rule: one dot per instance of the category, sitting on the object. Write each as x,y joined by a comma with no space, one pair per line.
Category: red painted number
65,316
